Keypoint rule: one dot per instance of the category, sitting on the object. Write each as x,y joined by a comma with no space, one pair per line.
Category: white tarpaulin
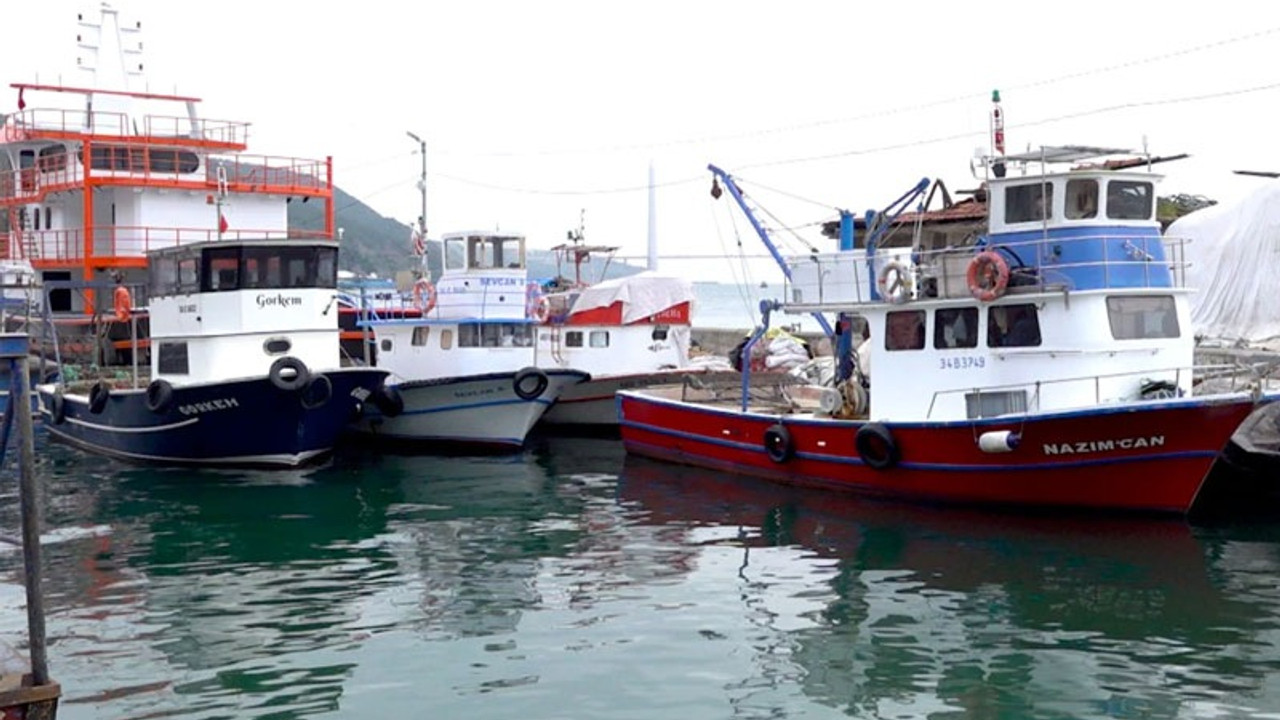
1234,256
641,295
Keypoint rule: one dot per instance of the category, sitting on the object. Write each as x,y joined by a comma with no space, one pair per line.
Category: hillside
372,243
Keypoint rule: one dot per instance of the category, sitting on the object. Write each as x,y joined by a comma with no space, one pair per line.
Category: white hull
482,410
594,403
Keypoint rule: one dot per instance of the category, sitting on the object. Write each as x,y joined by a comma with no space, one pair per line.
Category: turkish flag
222,223
22,104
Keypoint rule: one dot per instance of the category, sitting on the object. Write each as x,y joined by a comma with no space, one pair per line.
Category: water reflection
574,581
950,613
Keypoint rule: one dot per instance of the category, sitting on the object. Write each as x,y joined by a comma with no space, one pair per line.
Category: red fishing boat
1047,362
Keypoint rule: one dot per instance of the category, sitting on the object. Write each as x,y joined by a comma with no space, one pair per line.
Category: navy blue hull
234,423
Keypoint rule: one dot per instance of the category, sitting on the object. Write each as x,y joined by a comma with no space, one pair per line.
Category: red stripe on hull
1150,458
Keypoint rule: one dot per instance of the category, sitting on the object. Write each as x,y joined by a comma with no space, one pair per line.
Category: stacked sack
777,350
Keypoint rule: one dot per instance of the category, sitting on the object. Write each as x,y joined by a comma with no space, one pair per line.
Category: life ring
876,446
58,407
159,396
894,281
289,374
318,392
424,295
123,303
777,443
98,395
522,379
388,400
987,275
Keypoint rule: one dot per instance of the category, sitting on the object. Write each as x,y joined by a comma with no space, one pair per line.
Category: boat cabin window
1129,200
420,335
385,346
955,328
455,254
1013,326
660,332
993,403
495,335
171,358
573,338
53,158
222,269
904,330
599,338
446,339
1142,317
1082,199
141,159
1028,203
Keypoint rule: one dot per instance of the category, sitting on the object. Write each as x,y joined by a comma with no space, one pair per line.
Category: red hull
1148,457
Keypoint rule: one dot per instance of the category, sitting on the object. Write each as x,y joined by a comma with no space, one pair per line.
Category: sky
541,116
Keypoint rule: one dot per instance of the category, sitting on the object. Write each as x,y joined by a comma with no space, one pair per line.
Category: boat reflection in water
883,609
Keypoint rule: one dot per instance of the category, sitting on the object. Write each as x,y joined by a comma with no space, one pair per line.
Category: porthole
276,346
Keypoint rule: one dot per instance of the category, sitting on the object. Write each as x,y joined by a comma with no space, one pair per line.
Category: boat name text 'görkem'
280,300
1093,446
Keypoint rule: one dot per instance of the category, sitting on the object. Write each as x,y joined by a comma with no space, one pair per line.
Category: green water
575,582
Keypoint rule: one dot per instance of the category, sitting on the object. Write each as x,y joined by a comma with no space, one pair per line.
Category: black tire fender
876,446
289,374
159,396
58,407
319,391
388,400
778,444
522,380
98,395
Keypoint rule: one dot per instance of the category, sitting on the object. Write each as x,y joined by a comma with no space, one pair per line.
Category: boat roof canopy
1062,154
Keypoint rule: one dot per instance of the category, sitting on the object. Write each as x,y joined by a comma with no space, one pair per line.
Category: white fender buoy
999,441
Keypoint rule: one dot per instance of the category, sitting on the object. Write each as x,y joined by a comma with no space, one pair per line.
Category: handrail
1235,371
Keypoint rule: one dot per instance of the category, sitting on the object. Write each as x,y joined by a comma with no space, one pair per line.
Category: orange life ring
988,276
424,295
123,303
542,309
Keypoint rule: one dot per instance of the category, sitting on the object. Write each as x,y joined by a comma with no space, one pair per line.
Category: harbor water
574,581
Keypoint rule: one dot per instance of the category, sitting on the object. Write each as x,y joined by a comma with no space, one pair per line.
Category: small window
599,338
904,330
573,339
420,334
955,328
188,275
171,358
469,335
1143,317
1013,326
446,339
385,345
660,332
1082,199
1028,203
1129,200
276,346
993,403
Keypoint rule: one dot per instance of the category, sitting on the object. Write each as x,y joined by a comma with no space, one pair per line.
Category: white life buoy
895,282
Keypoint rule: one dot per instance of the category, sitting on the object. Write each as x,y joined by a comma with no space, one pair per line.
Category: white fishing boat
466,374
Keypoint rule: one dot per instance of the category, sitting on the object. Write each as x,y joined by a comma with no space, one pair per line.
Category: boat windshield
244,267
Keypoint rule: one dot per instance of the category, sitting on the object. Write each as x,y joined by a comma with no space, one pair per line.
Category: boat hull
246,422
1152,456
471,412
594,403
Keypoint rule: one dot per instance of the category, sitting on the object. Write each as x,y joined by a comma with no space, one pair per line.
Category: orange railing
159,166
51,122
58,247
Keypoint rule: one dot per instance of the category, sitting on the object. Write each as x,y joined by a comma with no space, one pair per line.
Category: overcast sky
536,111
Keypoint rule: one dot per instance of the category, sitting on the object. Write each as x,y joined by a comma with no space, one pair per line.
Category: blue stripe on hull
243,422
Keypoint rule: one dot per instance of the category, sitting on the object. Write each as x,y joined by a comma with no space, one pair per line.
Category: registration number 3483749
962,362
